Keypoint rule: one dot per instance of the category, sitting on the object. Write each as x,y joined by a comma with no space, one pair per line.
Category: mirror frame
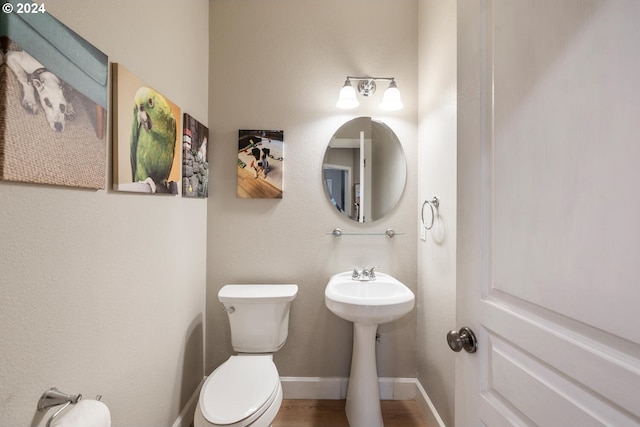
389,147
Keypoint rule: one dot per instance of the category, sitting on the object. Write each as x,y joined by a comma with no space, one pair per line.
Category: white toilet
245,390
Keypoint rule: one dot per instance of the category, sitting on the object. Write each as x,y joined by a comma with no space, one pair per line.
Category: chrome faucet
365,275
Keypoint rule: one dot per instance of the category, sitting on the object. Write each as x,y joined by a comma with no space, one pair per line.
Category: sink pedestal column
363,395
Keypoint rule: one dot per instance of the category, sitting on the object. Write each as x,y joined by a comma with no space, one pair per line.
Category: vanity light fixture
366,87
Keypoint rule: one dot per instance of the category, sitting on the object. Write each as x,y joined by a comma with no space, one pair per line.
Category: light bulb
391,99
347,98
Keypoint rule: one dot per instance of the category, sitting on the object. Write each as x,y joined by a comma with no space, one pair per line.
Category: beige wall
280,65
437,177
103,292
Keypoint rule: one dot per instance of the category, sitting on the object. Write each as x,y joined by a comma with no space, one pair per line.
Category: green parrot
153,139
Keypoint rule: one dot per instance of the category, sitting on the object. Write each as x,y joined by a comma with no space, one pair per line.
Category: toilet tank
258,315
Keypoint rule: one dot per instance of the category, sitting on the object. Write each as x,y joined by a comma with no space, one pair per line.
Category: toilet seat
240,390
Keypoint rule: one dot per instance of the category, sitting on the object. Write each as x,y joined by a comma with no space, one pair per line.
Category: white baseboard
314,387
335,388
433,418
186,415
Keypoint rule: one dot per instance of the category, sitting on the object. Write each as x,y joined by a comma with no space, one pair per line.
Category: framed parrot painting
146,138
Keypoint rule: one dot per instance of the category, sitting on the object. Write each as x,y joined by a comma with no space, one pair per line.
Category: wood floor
251,187
330,413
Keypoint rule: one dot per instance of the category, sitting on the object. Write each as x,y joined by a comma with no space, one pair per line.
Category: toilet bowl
245,391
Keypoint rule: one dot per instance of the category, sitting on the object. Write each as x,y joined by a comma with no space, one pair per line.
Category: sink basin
382,300
367,304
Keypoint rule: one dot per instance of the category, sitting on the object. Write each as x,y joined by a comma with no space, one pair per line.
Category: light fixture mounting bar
367,85
370,78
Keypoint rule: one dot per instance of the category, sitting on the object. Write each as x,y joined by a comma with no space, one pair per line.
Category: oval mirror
364,170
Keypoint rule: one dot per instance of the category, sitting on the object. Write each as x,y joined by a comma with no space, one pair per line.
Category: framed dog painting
260,159
53,103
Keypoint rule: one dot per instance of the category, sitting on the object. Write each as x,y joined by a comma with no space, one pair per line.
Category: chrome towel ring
433,204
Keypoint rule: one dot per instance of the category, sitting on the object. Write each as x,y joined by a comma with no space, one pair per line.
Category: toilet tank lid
258,293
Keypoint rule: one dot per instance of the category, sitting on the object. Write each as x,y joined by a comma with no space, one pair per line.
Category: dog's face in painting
52,99
41,89
261,164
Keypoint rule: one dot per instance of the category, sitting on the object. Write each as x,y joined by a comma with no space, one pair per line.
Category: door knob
463,339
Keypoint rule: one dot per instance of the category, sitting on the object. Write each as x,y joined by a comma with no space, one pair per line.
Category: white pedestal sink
367,304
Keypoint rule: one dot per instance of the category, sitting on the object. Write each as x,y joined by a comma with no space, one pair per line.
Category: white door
549,212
